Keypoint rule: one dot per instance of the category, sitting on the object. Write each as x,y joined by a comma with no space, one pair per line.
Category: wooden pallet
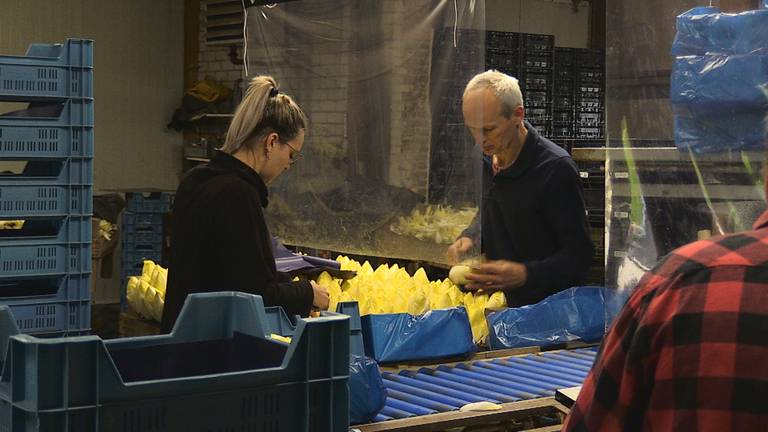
513,412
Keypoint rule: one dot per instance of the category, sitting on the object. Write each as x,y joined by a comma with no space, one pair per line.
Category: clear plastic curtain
388,168
685,137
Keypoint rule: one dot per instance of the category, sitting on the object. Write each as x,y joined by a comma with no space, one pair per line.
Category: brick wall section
317,77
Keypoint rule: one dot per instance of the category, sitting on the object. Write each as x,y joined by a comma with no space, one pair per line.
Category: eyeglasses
295,154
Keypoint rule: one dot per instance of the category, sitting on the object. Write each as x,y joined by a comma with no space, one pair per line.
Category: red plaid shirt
689,352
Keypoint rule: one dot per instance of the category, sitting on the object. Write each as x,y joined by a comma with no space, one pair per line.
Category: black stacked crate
502,52
563,101
593,184
589,115
537,79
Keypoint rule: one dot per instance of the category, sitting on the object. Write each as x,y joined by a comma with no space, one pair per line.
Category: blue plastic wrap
720,133
579,313
713,84
705,30
367,393
402,337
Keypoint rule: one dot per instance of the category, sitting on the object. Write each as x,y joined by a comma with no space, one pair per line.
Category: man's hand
457,249
321,297
496,276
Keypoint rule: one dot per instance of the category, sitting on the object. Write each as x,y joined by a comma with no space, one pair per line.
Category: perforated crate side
48,71
33,199
29,142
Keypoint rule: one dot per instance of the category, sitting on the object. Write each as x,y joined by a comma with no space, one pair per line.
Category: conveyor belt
511,379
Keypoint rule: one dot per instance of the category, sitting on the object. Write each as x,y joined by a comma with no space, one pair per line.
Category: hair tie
274,92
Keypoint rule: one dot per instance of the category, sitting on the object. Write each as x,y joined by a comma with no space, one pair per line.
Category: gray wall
137,78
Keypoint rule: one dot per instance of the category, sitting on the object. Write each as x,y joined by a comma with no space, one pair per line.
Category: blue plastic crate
41,259
69,287
32,199
217,370
52,317
142,237
142,220
70,171
48,71
30,141
68,229
72,112
147,202
280,324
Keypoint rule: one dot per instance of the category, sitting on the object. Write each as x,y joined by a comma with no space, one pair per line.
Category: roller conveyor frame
536,376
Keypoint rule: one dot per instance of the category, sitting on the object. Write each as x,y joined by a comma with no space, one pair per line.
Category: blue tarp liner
719,83
436,334
367,393
718,133
716,84
578,313
705,30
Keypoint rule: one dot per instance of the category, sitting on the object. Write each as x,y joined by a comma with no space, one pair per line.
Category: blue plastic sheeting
705,30
715,133
367,393
400,337
447,388
578,313
716,84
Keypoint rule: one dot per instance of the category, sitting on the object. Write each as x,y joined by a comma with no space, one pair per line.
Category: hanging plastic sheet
403,337
381,83
579,313
367,393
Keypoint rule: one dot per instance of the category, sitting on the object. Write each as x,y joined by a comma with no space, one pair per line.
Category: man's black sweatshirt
533,213
220,241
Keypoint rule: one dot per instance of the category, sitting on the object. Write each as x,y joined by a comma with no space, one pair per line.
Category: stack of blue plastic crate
142,232
46,182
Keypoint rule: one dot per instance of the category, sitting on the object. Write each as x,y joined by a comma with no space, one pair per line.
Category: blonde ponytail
263,110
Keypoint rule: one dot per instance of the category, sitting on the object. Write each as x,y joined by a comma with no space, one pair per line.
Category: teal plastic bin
217,371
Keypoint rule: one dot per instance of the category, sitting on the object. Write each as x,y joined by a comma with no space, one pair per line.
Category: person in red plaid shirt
689,351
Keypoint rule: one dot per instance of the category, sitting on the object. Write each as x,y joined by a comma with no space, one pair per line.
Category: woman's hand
321,297
457,249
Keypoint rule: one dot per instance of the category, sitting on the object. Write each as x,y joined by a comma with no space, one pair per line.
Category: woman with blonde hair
220,240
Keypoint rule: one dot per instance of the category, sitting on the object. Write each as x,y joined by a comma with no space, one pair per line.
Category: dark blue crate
147,202
29,142
70,171
142,248
217,369
26,259
134,237
142,219
67,229
48,71
22,199
131,258
69,287
72,112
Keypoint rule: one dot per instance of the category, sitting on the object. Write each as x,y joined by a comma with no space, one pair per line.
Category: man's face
491,131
